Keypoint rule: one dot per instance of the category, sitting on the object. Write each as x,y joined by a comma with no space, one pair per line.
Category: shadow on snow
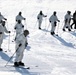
64,42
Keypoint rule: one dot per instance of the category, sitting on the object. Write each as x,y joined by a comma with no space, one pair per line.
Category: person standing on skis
21,41
40,18
53,20
74,20
2,30
67,20
20,17
19,27
2,17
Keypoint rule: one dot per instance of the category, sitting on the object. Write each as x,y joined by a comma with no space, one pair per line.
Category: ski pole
57,27
35,24
62,26
8,38
45,22
9,43
25,23
7,24
14,36
47,28
14,33
11,57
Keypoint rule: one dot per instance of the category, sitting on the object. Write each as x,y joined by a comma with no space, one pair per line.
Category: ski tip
21,67
28,68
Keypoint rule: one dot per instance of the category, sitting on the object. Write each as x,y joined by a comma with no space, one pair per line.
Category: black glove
0,32
55,25
22,26
50,21
24,18
58,20
3,25
9,31
16,20
5,19
20,44
45,15
38,18
15,28
26,44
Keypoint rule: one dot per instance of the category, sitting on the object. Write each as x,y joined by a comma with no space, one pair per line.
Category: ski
55,35
70,31
22,67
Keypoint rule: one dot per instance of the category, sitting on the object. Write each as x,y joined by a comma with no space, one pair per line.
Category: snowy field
45,54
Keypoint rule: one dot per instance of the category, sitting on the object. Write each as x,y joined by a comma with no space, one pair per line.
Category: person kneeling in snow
21,41
2,30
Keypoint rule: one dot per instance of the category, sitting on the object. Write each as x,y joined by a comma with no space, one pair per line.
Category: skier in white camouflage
67,20
74,20
2,17
19,27
40,18
2,30
21,41
20,17
53,20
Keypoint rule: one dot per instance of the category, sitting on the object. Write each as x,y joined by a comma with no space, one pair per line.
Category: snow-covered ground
45,54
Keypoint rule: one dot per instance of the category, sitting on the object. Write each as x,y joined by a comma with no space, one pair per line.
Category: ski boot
21,64
1,49
16,64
